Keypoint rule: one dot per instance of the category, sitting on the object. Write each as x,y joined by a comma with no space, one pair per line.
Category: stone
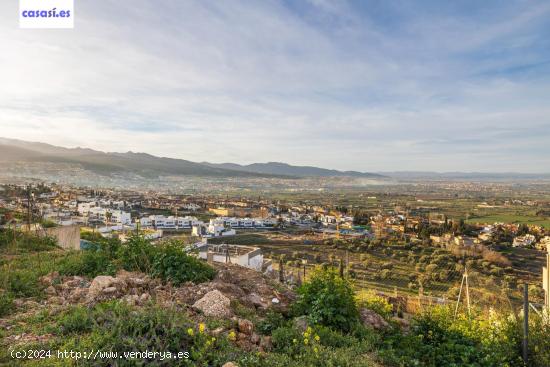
256,300
372,319
254,338
78,294
245,326
144,297
109,290
214,304
275,300
98,284
50,291
217,332
230,364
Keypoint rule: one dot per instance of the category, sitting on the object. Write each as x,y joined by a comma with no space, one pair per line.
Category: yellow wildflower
317,338
232,336
316,350
294,341
201,328
306,340
190,331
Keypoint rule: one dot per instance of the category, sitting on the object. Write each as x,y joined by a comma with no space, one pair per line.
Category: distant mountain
147,165
278,168
142,164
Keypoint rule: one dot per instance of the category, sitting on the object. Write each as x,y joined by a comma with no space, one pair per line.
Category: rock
230,364
245,326
78,294
372,319
256,300
50,291
217,332
254,338
300,323
48,279
214,304
242,336
55,300
109,290
98,284
131,299
265,344
275,300
144,297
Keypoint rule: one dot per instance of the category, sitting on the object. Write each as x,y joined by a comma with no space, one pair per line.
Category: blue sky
365,85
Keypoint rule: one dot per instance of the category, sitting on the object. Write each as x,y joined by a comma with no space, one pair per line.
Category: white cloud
248,82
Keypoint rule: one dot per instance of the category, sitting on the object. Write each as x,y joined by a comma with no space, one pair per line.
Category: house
524,241
246,256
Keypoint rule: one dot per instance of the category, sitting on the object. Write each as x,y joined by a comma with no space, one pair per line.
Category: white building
249,257
170,222
524,241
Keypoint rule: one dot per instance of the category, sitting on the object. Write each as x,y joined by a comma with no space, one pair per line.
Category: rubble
214,304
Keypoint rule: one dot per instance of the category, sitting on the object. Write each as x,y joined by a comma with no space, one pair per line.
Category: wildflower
213,339
232,336
201,328
294,341
316,350
306,341
190,331
317,338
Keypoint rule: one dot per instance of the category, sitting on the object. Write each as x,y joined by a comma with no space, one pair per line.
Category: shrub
76,320
90,263
272,321
327,299
136,254
372,301
6,304
171,263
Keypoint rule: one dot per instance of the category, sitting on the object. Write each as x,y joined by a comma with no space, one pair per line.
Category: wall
68,237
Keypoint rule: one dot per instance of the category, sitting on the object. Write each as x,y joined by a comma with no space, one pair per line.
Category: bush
171,263
76,320
438,339
327,299
90,263
136,254
272,321
376,303
6,304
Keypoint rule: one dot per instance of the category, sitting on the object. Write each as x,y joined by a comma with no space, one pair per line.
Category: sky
362,85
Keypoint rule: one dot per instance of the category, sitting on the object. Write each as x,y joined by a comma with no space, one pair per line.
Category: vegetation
327,299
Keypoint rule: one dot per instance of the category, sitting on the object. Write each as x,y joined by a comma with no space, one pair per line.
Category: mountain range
147,165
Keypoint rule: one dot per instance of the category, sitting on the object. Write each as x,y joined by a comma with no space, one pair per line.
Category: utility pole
464,280
525,323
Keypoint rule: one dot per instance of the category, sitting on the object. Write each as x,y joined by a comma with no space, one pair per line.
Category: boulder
50,291
245,326
98,285
372,319
214,304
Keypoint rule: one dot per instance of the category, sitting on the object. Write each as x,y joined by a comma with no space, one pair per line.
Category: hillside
147,165
278,168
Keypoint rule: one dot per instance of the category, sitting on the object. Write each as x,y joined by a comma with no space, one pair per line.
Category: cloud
349,85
